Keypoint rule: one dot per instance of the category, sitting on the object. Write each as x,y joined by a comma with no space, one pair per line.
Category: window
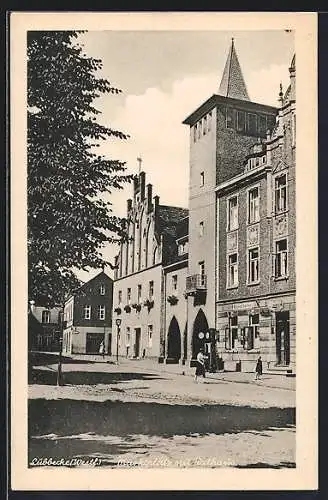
231,332
253,205
45,316
280,193
128,296
253,265
251,123
201,228
87,312
281,259
120,296
209,119
151,290
241,121
232,270
183,248
101,312
195,133
199,128
204,125
232,213
202,272
229,117
202,178
175,282
150,335
262,125
102,290
139,294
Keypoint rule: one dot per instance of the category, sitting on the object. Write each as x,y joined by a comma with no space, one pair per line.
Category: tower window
251,123
202,178
229,117
201,228
241,121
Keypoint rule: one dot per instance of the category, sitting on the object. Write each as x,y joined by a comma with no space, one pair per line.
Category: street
131,415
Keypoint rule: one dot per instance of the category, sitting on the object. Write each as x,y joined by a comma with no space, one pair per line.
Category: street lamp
118,324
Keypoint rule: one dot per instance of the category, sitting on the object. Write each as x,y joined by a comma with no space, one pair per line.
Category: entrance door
137,343
282,338
174,340
93,342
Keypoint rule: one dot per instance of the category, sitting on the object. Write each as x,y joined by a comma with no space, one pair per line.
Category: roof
86,285
216,100
182,228
232,82
168,221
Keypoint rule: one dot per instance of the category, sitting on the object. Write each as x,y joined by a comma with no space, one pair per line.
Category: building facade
88,317
139,285
241,264
44,328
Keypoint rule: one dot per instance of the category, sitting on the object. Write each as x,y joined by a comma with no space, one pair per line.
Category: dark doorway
199,332
137,343
93,342
185,342
174,340
282,338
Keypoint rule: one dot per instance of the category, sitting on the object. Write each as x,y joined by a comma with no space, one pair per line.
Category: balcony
196,283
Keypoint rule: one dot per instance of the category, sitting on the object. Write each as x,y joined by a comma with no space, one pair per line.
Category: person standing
200,364
102,349
258,369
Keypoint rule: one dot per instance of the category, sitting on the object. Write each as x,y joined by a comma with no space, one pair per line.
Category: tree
69,221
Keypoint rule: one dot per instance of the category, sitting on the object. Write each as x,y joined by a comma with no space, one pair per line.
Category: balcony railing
195,283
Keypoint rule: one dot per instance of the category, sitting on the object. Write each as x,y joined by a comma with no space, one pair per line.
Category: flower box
118,310
172,299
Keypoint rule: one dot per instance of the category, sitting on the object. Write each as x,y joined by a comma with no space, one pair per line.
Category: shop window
253,205
250,334
253,266
232,280
281,259
280,193
232,213
231,334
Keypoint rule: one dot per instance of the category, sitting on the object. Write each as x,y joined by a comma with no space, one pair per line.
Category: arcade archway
200,326
174,340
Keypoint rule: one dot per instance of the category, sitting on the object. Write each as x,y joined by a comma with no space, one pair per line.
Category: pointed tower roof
232,83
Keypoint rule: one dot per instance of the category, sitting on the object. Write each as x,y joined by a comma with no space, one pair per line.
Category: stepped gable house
139,299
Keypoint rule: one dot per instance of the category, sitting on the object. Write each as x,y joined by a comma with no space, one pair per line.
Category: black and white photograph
161,271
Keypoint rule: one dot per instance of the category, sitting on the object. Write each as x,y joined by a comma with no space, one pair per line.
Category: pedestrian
102,349
200,364
258,369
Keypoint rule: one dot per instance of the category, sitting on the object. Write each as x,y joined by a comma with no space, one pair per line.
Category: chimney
149,197
292,74
142,180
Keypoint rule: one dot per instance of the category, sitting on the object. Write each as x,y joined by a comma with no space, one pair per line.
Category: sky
164,76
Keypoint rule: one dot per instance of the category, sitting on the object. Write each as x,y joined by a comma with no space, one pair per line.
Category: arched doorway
200,326
174,340
185,342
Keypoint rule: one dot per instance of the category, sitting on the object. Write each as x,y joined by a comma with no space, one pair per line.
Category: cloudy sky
164,76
